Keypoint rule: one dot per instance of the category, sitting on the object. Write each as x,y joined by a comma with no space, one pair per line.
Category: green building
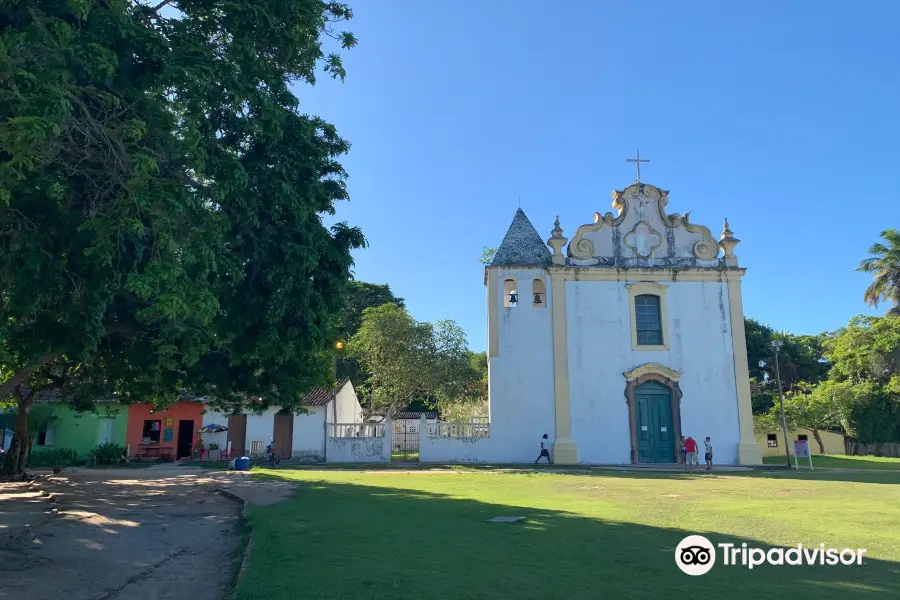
83,431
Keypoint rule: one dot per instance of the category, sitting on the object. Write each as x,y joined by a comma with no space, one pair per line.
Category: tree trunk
818,439
20,448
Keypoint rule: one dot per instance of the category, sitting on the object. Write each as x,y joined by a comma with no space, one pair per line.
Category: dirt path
145,534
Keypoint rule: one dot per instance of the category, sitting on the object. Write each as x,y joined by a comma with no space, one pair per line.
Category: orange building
169,434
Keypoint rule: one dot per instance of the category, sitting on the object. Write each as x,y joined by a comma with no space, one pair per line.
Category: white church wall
600,351
520,377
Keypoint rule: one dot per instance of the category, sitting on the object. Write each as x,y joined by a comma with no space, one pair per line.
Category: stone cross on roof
637,162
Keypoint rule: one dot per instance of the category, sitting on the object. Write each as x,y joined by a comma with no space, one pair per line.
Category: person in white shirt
708,455
545,450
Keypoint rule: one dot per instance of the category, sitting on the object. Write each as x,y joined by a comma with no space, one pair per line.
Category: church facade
618,341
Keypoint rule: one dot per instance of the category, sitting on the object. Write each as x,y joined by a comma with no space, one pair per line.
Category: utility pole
776,345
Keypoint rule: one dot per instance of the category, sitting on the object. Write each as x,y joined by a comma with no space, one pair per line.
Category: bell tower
520,341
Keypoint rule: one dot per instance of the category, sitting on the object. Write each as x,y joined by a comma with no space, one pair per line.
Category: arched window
539,294
648,320
510,294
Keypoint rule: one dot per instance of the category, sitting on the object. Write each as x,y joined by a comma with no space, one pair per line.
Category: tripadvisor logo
696,555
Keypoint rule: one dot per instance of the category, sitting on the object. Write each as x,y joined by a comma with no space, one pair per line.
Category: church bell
537,299
513,297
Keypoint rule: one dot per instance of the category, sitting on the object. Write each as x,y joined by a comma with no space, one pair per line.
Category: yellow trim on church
565,452
639,274
749,452
493,310
655,368
649,288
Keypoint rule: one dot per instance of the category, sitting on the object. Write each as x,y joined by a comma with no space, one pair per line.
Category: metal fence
405,441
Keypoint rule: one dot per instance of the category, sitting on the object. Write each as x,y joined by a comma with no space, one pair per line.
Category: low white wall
454,450
360,450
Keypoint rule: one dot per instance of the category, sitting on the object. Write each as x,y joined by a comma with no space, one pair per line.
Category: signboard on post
801,450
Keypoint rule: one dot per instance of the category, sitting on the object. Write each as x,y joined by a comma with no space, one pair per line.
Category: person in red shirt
690,447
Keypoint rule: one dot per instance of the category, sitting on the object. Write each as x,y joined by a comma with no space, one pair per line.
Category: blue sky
782,118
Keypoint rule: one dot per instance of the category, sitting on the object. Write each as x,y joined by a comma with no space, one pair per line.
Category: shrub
56,457
108,453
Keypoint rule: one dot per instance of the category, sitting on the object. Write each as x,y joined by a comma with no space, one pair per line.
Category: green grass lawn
841,462
423,535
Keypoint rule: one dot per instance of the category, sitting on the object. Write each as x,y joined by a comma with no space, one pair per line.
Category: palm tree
884,264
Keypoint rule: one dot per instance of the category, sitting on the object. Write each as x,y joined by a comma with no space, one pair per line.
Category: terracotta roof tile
321,396
415,415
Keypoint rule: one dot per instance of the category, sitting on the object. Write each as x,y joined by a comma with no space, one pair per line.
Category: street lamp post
776,346
338,346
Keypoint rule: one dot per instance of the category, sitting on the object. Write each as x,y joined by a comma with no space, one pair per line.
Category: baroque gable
643,234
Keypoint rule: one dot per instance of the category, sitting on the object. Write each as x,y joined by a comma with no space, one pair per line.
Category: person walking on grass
545,450
690,448
708,454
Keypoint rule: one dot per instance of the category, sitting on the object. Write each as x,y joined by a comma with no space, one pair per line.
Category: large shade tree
161,198
410,361
358,296
801,361
810,407
865,377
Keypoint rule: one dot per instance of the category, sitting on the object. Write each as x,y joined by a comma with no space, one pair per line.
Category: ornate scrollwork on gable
580,247
708,247
638,198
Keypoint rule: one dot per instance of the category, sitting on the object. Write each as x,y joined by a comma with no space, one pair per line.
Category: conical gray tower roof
522,246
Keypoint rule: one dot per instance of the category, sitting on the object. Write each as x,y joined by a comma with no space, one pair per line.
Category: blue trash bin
242,464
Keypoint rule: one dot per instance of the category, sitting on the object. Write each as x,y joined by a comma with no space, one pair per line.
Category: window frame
771,440
649,288
653,313
158,432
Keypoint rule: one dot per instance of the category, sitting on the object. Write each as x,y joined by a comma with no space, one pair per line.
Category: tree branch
160,5
19,378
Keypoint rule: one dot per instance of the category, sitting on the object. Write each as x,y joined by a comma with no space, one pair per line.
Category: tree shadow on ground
343,541
119,536
879,477
869,476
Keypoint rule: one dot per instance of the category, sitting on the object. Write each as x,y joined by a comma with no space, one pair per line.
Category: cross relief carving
643,240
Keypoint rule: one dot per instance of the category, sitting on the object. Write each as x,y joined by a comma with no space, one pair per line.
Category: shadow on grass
831,461
866,476
342,541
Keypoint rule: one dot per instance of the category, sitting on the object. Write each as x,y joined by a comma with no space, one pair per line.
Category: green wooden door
653,419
